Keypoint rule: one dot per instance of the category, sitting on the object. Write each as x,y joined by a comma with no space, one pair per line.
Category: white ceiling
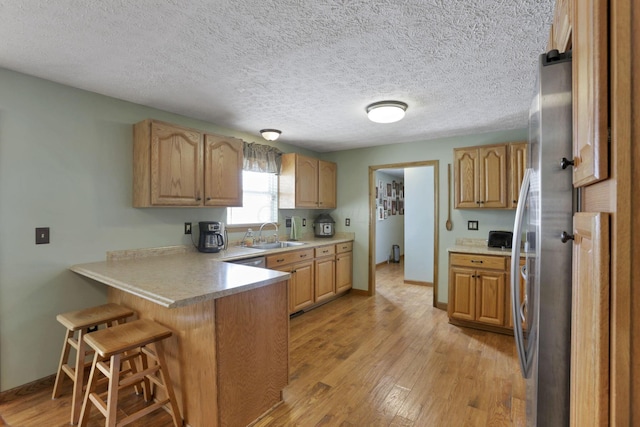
308,68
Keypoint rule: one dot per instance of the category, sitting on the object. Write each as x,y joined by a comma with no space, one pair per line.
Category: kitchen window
259,200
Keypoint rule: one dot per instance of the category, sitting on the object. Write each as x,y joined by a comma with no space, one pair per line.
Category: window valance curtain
261,158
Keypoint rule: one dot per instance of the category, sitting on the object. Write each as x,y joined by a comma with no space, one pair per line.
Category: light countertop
177,276
478,246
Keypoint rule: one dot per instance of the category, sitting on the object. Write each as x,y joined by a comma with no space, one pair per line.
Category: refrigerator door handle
515,279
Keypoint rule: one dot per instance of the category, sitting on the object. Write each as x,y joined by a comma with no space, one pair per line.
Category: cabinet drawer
479,261
344,247
325,251
288,257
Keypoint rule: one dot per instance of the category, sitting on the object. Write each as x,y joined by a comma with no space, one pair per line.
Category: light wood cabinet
300,264
590,92
477,290
517,167
306,182
222,171
344,266
590,321
181,167
325,271
560,36
481,177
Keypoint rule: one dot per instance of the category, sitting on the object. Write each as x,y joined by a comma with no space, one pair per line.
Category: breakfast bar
228,356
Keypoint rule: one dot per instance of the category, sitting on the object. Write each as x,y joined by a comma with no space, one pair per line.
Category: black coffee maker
211,239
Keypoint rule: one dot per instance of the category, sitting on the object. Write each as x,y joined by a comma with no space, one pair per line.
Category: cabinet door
306,182
466,184
176,166
490,290
344,271
493,176
327,184
222,171
302,288
589,80
462,293
517,166
325,285
561,26
590,321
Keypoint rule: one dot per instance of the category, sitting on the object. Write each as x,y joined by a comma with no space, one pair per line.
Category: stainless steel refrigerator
542,311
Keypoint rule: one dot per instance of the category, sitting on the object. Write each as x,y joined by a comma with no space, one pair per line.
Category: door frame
373,218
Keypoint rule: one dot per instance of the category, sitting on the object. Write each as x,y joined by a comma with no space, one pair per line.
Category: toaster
500,239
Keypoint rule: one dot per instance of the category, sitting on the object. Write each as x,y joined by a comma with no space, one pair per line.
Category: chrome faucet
262,226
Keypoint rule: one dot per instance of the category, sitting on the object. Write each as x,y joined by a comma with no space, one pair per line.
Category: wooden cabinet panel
176,165
305,182
490,293
590,92
222,171
344,271
344,247
325,278
462,294
493,176
466,183
561,27
477,261
590,321
517,167
300,285
323,251
327,184
284,258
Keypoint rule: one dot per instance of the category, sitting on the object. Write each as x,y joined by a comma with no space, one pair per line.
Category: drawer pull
477,261
303,255
280,260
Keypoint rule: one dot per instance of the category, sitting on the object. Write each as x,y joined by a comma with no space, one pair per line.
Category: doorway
374,212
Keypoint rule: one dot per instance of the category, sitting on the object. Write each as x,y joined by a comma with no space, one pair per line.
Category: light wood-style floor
390,360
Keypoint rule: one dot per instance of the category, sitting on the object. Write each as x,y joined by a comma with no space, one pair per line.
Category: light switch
42,235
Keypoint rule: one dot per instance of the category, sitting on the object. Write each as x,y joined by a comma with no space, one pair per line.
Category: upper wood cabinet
306,182
590,92
481,177
517,166
561,28
222,171
178,166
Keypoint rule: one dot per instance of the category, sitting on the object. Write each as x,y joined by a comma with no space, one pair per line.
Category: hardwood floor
390,360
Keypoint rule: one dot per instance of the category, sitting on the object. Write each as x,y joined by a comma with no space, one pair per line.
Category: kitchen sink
277,245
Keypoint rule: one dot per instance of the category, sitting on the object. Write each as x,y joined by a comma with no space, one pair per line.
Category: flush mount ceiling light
270,134
386,111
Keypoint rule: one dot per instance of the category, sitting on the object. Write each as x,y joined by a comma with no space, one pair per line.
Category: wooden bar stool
80,321
128,342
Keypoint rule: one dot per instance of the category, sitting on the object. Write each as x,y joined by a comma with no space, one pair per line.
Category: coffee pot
211,236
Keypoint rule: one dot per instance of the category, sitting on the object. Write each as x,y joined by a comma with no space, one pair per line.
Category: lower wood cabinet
478,290
317,274
325,266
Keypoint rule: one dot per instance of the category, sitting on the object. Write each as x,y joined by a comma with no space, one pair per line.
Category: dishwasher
258,261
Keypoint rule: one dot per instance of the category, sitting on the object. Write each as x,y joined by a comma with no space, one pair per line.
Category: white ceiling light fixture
386,111
270,134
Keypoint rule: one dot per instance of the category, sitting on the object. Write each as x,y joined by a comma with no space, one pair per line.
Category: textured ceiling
308,68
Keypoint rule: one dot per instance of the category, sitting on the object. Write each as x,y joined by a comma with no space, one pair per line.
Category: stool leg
166,380
91,385
63,359
112,393
76,398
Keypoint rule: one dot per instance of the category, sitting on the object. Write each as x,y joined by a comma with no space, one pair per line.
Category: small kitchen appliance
324,226
211,236
500,239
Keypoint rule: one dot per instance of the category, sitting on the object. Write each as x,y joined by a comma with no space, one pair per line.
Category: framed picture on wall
393,207
380,213
388,189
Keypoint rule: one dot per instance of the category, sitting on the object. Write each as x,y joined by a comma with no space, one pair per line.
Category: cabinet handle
515,201
477,261
565,237
477,202
303,255
198,199
565,163
280,260
208,198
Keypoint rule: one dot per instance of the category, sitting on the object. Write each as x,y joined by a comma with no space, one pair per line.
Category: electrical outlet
347,222
287,222
42,235
304,222
472,225
187,228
